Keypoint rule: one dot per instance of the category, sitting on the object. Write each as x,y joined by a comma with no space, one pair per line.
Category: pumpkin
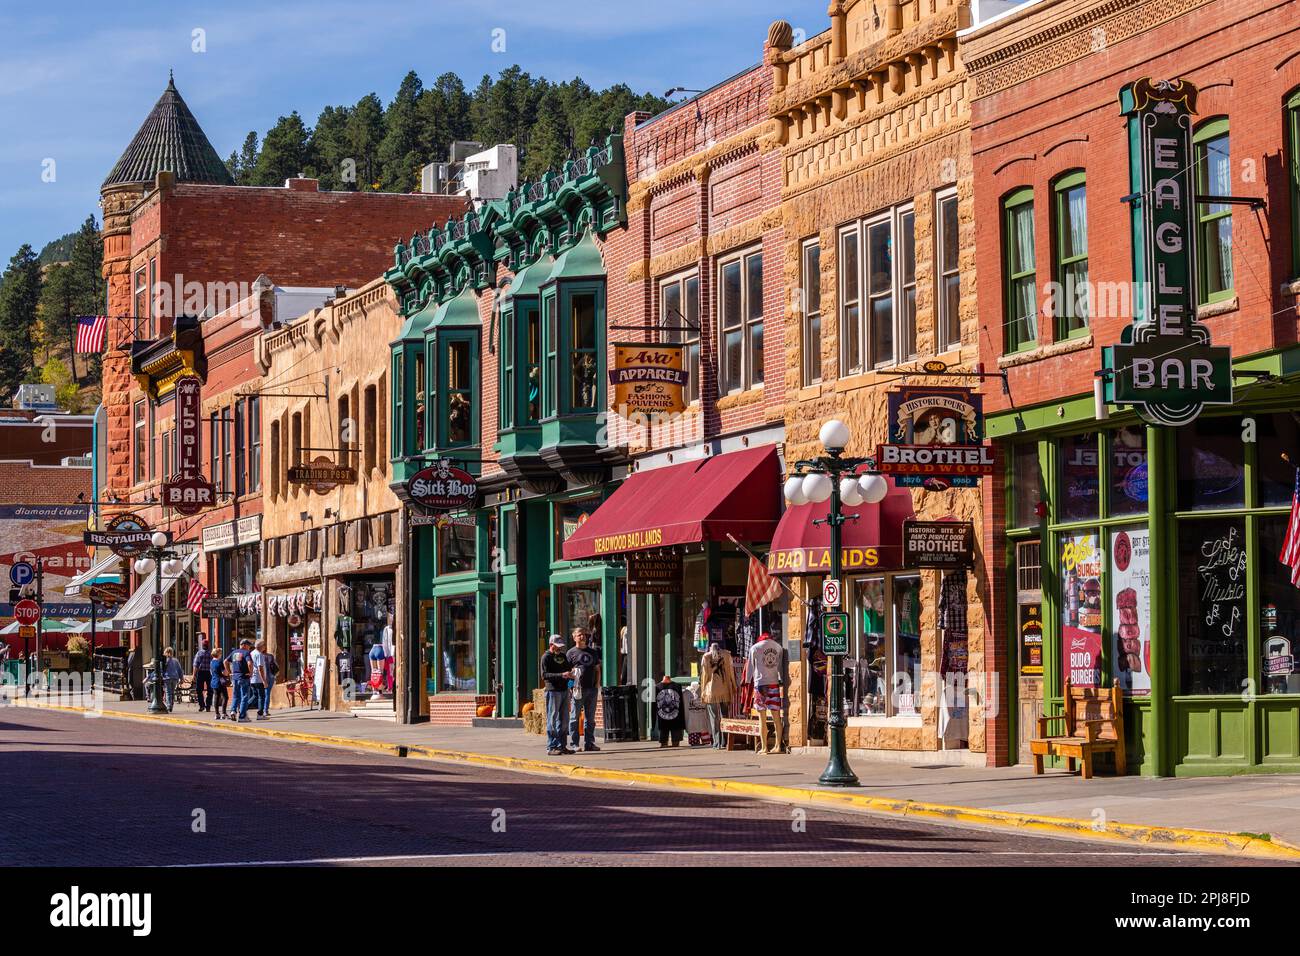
528,708
485,710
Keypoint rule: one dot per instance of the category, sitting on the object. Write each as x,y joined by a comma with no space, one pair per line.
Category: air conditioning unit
78,461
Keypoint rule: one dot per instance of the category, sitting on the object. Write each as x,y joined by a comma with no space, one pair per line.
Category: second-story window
226,449
1214,220
508,398
1071,212
241,452
740,325
458,392
420,439
679,318
345,432
947,272
255,443
371,437
399,405
551,376
1292,131
142,302
275,459
1020,295
878,282
583,362
811,283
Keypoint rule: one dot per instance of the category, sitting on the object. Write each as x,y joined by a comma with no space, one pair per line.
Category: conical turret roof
170,139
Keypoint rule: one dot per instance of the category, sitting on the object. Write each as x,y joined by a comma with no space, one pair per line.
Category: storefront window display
1080,474
456,651
1128,470
570,516
1211,464
370,602
457,544
1027,478
1212,569
580,607
885,667
1280,611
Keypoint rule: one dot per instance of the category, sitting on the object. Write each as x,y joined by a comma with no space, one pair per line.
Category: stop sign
27,612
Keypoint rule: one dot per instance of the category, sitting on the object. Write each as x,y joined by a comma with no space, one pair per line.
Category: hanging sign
649,378
938,544
654,573
108,594
323,474
222,607
188,492
442,487
936,437
1164,364
126,535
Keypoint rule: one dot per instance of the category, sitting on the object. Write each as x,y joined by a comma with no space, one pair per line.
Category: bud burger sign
442,487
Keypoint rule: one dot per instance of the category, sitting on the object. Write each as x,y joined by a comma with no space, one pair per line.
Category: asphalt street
79,791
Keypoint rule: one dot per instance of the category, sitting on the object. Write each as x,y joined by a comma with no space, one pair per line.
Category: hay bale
535,723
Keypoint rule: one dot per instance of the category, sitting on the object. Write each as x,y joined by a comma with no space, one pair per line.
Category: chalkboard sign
1213,571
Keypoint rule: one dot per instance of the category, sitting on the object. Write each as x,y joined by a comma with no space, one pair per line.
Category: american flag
760,588
195,599
1290,555
90,334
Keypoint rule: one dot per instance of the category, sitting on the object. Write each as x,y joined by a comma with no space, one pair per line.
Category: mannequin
717,688
765,671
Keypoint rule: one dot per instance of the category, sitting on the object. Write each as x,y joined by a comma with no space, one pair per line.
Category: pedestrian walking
172,675
556,674
259,679
218,684
670,712
240,667
586,681
202,670
128,680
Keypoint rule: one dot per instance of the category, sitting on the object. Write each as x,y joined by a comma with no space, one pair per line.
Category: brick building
1108,522
186,258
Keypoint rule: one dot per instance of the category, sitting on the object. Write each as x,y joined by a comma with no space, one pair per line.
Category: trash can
620,713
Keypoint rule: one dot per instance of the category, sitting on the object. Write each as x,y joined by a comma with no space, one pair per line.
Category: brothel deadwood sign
442,487
936,437
1164,365
188,492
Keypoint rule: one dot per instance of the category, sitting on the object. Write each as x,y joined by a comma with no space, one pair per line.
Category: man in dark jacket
556,674
202,668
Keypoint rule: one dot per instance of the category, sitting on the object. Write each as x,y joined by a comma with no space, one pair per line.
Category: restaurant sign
442,487
938,544
126,535
936,439
1164,364
649,378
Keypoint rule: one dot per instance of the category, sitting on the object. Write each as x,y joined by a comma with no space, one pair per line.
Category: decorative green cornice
535,219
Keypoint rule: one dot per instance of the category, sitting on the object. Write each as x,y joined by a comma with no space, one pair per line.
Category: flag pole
732,538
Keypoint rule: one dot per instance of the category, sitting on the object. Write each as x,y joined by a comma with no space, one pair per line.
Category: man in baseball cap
556,674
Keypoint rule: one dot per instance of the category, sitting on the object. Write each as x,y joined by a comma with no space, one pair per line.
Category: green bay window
1214,220
582,350
551,335
573,319
1071,254
419,435
1020,294
506,402
453,388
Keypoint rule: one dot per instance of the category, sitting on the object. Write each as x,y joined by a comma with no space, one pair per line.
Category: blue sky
79,77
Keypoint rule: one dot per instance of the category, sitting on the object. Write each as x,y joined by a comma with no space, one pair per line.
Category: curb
1169,838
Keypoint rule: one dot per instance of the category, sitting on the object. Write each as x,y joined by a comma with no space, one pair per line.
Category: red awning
705,500
872,540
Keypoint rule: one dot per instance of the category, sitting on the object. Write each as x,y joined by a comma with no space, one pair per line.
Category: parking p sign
22,574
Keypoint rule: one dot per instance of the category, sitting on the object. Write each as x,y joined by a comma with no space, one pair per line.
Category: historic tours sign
1164,364
936,439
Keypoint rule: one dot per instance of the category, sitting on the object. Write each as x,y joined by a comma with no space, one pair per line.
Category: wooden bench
1094,723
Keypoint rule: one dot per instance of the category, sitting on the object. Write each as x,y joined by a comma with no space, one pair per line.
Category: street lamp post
834,477
155,561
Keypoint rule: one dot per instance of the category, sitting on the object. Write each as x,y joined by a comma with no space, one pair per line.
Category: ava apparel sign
1164,364
649,378
188,492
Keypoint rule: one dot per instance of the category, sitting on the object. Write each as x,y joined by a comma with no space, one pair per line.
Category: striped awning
135,613
105,568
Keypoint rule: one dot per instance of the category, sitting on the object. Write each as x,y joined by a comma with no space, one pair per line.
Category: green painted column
1164,592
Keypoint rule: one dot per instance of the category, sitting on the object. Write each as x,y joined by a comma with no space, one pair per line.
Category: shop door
457,639
1028,644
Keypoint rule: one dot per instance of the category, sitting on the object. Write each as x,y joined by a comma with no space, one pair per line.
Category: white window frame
679,333
741,256
942,319
812,359
894,216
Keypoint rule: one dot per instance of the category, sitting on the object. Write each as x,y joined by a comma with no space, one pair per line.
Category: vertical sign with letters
1164,364
188,491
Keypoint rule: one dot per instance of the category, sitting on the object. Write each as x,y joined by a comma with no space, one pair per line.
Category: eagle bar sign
1165,365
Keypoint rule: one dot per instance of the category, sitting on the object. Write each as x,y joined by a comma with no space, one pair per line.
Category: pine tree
442,116
54,312
399,153
87,287
20,296
247,164
328,149
284,152
549,140
363,131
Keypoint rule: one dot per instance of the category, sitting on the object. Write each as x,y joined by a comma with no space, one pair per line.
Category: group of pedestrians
572,679
228,686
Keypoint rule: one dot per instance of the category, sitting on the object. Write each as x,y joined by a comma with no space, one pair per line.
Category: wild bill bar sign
1165,365
648,378
188,492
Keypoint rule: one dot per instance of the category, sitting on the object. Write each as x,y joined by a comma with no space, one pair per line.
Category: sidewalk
1256,815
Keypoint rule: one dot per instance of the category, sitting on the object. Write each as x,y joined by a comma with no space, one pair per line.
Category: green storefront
490,582
1155,562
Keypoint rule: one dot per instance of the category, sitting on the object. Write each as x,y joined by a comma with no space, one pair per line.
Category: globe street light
158,561
834,477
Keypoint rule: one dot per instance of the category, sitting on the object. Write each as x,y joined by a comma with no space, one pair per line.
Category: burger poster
1081,608
1130,614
